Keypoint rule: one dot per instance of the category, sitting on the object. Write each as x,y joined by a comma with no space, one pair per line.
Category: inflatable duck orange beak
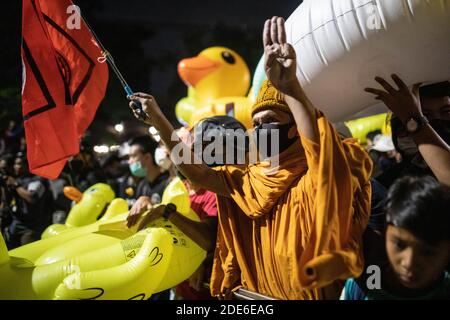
73,194
192,70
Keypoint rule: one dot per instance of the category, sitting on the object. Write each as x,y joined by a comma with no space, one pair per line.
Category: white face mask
162,158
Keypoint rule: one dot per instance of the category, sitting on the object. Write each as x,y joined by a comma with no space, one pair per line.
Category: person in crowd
127,186
6,170
84,168
421,128
12,136
370,136
33,205
203,202
6,164
154,179
113,171
306,215
151,186
383,153
417,245
127,183
162,159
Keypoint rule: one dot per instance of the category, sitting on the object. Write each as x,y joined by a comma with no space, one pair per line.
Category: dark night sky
147,39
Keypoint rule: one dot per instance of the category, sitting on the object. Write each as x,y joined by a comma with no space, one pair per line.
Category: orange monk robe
291,234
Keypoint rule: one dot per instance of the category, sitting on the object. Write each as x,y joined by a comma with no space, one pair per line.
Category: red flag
63,83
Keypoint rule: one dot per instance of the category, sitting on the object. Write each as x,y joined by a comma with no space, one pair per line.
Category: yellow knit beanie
269,98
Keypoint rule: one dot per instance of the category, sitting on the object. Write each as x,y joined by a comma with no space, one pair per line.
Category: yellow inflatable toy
90,205
73,193
361,127
216,72
116,207
221,80
186,106
237,107
104,260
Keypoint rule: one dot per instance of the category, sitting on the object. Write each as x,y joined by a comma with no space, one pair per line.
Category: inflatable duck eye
228,57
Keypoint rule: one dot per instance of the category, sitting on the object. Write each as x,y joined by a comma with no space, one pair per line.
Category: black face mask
263,138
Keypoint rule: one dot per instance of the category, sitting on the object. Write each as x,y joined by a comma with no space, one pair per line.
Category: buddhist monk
294,231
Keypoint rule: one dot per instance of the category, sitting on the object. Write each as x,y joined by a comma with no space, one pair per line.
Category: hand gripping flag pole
136,105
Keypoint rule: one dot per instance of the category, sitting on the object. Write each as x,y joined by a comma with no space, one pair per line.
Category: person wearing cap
383,153
32,205
294,230
202,202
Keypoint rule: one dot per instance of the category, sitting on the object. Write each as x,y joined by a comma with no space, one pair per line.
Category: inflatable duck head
216,72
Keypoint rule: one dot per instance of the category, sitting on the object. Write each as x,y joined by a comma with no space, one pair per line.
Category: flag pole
136,105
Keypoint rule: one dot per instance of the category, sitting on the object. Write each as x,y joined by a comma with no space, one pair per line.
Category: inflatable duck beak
73,194
192,70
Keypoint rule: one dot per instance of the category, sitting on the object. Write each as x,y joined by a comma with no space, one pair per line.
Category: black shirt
37,215
154,189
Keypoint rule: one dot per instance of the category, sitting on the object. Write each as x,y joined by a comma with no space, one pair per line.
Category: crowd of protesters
312,228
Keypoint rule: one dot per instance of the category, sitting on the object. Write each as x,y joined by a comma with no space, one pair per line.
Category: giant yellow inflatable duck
104,260
216,72
186,106
221,80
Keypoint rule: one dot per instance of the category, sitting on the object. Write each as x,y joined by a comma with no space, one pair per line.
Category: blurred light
101,149
157,138
119,127
153,131
114,148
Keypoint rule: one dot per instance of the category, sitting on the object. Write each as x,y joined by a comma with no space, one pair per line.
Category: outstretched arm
405,103
195,171
203,233
280,66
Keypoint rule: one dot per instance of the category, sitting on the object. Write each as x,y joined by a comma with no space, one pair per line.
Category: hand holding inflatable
139,207
152,215
403,102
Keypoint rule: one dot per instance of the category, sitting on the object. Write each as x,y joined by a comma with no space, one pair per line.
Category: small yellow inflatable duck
89,206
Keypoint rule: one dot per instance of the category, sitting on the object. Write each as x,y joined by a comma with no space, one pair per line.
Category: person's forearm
165,129
24,194
435,152
195,171
304,112
171,140
199,232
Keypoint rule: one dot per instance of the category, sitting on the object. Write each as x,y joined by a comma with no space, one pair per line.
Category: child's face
417,264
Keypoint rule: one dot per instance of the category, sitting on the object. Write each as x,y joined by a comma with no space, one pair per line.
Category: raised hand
279,56
403,102
149,106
